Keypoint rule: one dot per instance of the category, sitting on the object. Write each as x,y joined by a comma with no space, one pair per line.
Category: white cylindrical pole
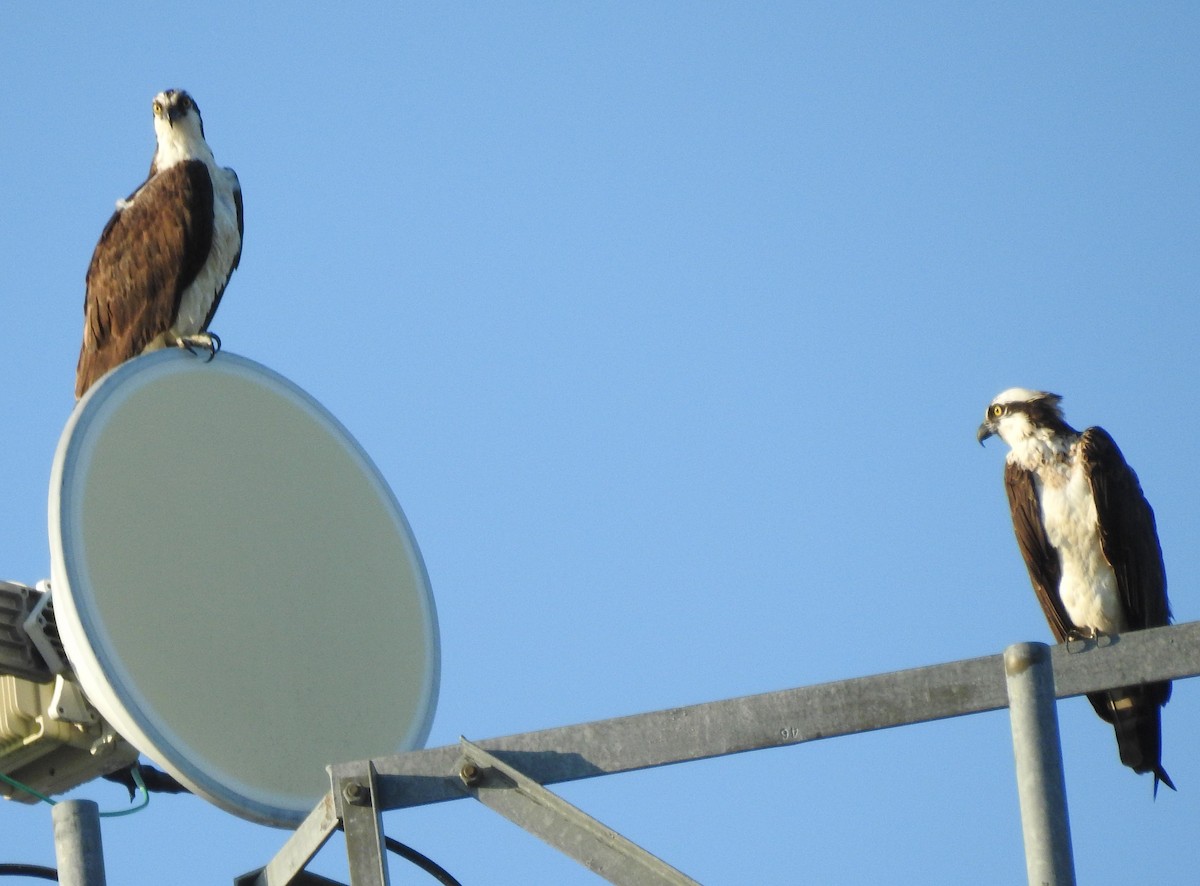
1038,752
77,843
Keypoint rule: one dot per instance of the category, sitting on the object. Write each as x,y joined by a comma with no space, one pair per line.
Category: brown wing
1129,540
1041,559
148,254
1128,534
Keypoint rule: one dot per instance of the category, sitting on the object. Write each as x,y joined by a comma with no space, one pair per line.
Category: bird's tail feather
1135,713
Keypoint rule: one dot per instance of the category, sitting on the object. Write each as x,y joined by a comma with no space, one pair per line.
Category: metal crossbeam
792,716
773,719
658,738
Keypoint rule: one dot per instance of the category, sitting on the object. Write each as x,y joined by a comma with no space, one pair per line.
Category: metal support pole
1038,753
77,843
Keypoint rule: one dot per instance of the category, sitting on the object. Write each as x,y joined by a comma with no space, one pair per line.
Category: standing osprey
165,256
1089,541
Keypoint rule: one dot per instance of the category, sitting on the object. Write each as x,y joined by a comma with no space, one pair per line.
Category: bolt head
357,793
470,774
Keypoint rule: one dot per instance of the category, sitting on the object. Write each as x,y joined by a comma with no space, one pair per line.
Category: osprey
164,257
1090,543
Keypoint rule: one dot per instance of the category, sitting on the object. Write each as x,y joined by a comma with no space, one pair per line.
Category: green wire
137,778
26,788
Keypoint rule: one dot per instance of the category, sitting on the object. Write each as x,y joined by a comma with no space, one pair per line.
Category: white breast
1088,588
197,299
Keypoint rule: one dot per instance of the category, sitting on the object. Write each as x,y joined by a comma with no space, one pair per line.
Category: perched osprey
1089,541
165,256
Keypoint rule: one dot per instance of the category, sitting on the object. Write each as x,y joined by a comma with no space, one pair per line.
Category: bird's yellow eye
997,411
158,109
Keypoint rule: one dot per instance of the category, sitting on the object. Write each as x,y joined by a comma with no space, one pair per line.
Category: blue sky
670,326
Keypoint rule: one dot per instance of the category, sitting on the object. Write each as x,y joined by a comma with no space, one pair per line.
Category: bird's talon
204,340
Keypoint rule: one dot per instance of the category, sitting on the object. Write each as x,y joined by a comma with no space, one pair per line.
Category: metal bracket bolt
470,774
357,794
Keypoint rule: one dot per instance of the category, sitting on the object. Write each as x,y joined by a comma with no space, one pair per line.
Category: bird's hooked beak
987,429
174,112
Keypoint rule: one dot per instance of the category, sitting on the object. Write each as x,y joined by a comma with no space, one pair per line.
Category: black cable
428,865
425,863
28,870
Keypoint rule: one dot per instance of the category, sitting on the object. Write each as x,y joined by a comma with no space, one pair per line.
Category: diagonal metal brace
544,814
287,867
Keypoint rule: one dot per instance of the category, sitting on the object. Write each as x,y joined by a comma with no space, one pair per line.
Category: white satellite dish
236,587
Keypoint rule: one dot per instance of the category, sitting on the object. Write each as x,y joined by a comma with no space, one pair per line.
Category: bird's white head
179,130
1017,414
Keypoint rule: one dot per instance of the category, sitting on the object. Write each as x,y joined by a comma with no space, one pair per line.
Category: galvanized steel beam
773,719
788,717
